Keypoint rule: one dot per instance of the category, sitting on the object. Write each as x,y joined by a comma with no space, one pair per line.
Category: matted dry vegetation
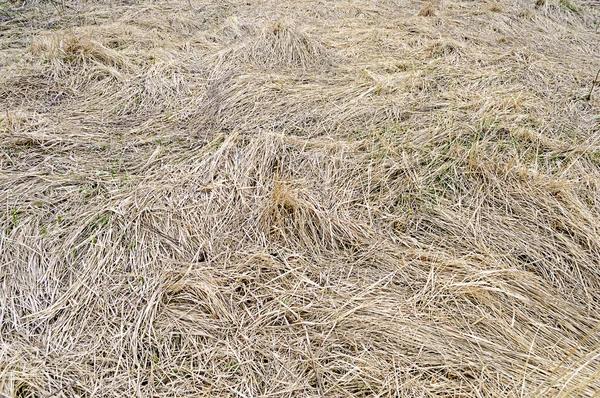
300,198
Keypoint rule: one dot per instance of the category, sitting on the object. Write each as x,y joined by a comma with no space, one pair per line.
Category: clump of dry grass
69,49
274,46
353,201
427,10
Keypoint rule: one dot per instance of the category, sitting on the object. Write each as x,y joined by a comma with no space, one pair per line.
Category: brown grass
293,198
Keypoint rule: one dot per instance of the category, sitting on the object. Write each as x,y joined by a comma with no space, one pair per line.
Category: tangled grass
293,198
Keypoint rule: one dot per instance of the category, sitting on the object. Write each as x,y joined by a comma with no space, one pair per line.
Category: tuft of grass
569,6
427,10
15,217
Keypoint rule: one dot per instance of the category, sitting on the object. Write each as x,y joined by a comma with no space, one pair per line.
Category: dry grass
293,198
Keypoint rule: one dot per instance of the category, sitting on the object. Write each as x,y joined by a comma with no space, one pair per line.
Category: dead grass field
277,198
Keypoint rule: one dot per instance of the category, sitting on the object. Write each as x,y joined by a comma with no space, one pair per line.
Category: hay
255,199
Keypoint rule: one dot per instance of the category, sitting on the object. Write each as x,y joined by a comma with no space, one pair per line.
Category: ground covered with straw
271,198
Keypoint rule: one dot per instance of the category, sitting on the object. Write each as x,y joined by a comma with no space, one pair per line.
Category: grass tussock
357,200
274,46
78,51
